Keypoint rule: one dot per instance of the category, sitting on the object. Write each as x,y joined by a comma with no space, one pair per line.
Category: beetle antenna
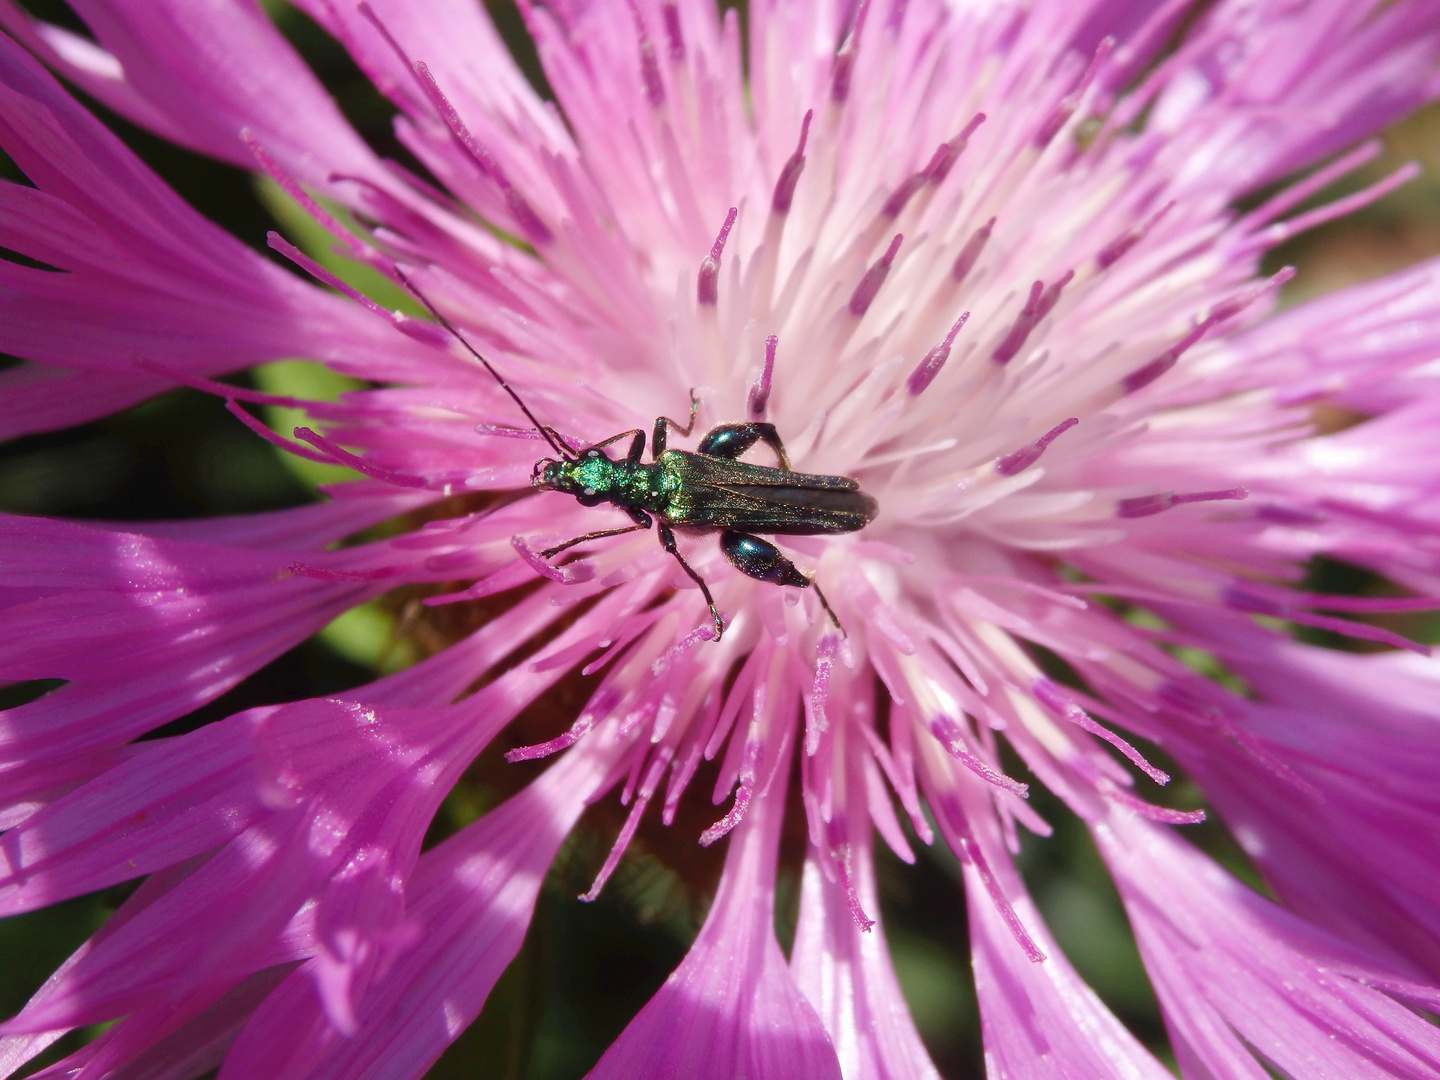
568,455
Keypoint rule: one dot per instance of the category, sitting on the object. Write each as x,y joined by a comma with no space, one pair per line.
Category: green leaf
366,635
313,382
316,241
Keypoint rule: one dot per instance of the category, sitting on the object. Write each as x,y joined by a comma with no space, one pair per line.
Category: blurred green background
586,968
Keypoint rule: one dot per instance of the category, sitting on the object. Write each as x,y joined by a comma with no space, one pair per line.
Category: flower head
973,270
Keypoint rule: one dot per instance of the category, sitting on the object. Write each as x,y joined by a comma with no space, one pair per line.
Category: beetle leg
657,439
566,443
637,444
732,440
763,561
641,519
667,541
828,609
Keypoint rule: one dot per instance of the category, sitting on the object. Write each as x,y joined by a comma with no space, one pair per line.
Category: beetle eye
590,497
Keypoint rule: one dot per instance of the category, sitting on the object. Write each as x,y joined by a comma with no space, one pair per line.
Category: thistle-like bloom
982,257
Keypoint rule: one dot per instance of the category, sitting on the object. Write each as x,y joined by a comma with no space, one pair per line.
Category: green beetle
707,489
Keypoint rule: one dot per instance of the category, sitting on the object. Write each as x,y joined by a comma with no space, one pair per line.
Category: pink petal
168,951
171,1041
1321,60
1367,345
1040,1019
329,785
143,629
847,977
1237,975
15,1050
470,63
179,798
732,1007
148,278
44,397
313,526
197,76
1037,1016
470,900
1358,854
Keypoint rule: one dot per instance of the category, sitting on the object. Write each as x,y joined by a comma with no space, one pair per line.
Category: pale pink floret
840,959
980,258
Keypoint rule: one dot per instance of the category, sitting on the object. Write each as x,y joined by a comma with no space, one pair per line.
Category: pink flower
981,258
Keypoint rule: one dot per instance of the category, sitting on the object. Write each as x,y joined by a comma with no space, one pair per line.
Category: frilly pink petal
1037,1017
732,1008
179,798
840,958
66,556
143,629
312,526
1367,346
254,885
31,785
1318,60
1238,976
46,397
470,63
147,277
470,899
1358,853
175,68
847,977
174,1040
1040,1020
331,787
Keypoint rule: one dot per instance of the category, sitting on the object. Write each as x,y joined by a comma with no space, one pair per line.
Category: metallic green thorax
657,488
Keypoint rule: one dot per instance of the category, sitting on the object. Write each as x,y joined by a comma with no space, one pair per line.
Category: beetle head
548,475
576,477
